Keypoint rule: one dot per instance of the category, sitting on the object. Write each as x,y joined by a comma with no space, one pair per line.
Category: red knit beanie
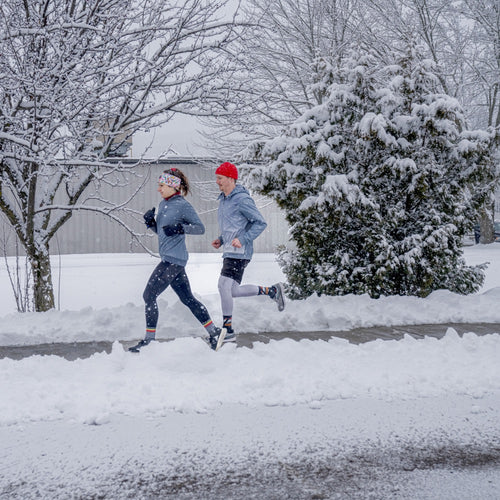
227,169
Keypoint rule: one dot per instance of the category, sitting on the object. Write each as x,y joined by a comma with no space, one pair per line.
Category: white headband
170,180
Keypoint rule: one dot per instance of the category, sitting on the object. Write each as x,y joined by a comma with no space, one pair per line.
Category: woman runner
176,217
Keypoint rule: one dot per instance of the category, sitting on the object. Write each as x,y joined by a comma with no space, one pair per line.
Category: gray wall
90,232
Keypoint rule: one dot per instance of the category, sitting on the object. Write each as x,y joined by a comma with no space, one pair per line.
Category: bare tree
482,83
77,79
463,39
273,66
18,272
484,61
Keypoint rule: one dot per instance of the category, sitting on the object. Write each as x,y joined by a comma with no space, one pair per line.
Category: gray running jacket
239,217
176,210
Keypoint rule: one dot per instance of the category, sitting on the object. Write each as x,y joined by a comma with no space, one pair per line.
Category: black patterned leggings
174,275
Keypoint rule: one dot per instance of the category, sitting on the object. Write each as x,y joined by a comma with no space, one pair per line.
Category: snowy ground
311,419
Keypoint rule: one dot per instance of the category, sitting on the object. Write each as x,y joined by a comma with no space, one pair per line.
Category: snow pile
185,375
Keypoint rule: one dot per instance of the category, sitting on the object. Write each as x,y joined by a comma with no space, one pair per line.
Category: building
135,190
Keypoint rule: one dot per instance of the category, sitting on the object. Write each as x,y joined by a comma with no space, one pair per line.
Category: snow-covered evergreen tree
379,183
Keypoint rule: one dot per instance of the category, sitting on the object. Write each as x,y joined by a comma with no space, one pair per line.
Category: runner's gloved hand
149,218
171,230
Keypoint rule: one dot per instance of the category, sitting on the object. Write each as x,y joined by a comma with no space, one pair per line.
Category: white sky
179,136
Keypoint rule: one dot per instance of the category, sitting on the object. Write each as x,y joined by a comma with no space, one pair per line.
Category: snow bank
184,375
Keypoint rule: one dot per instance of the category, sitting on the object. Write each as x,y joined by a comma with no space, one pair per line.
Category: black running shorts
234,268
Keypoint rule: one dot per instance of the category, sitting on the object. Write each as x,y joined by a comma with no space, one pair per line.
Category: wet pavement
75,350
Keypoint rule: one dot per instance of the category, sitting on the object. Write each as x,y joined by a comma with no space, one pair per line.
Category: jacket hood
237,190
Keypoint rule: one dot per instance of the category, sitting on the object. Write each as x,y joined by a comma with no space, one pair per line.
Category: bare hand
236,243
216,243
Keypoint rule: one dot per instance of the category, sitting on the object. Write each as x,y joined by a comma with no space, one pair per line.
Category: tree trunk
486,226
43,291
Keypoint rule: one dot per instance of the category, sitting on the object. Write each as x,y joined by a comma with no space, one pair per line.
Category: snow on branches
77,80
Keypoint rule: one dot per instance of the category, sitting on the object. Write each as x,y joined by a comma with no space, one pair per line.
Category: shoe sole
226,340
280,298
221,338
220,341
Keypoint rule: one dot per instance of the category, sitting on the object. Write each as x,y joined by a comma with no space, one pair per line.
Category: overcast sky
179,136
